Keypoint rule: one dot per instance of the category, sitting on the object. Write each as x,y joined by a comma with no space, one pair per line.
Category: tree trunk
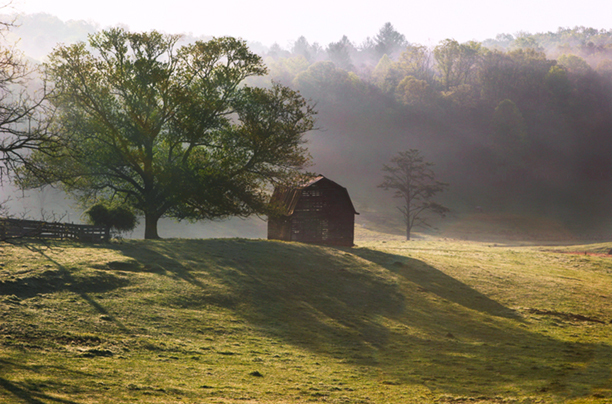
151,227
409,222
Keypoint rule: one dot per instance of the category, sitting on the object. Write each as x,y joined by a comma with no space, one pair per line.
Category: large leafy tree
456,62
172,131
416,61
414,183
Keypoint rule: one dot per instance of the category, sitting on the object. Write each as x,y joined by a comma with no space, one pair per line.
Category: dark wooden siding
321,213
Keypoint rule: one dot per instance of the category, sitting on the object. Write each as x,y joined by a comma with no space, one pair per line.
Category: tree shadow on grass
24,391
61,278
431,280
23,394
319,299
473,345
412,322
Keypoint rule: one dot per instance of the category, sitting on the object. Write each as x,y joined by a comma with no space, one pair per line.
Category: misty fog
515,124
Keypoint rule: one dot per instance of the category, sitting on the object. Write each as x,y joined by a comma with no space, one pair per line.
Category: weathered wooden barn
319,211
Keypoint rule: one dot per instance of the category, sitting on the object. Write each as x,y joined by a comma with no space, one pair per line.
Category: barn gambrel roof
287,198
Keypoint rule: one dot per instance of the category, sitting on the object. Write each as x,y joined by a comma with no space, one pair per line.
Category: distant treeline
519,123
592,45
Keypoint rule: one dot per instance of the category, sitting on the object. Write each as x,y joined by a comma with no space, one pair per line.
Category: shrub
118,218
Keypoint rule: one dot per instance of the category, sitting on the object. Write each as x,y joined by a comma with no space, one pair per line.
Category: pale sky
268,21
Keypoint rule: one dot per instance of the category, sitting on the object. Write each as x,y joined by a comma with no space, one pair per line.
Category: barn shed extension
319,212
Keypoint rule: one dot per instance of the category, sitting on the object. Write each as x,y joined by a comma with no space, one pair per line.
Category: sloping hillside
235,321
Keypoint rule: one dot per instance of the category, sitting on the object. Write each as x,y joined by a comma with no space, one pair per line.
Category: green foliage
526,41
416,93
173,132
508,121
323,81
309,52
441,98
416,61
574,64
462,98
510,142
284,70
388,41
590,43
456,62
120,218
604,68
557,83
340,53
544,151
518,75
386,75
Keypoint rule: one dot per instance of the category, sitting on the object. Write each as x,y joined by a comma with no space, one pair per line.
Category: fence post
15,228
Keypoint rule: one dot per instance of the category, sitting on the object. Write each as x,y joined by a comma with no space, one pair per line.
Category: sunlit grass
238,320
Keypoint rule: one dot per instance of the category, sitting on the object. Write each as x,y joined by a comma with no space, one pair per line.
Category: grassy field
257,321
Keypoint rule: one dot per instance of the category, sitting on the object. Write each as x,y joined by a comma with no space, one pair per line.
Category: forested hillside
520,123
524,127
37,34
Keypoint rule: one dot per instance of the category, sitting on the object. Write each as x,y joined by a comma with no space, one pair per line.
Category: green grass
256,321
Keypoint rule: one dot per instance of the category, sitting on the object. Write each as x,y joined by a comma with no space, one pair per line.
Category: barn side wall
279,228
310,227
322,214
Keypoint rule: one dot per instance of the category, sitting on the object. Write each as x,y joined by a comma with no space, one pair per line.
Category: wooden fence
17,228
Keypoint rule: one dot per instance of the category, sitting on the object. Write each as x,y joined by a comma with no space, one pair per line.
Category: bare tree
22,127
414,183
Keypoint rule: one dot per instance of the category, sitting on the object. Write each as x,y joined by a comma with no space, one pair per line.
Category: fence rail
17,228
